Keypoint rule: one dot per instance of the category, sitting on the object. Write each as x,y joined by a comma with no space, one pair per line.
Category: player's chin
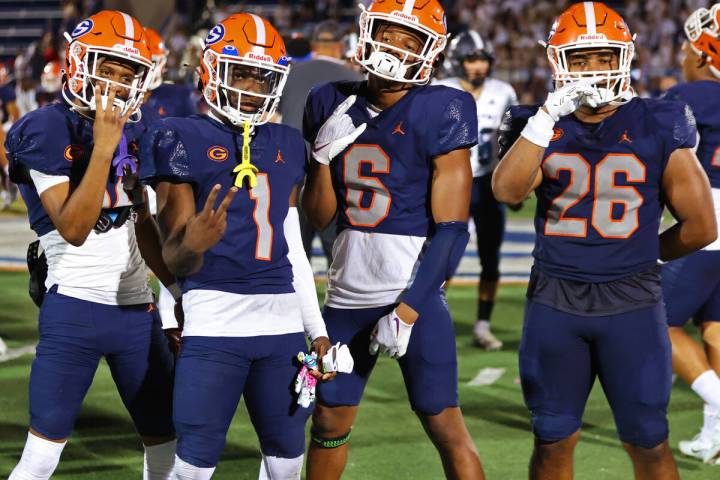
249,107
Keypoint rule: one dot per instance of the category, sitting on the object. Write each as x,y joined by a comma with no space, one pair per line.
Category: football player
227,185
471,60
75,164
165,99
392,161
602,163
691,285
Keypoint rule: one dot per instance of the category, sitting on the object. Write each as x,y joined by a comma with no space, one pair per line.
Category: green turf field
388,442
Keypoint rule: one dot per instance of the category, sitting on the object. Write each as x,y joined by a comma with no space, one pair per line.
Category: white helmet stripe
259,34
129,29
408,7
477,39
590,18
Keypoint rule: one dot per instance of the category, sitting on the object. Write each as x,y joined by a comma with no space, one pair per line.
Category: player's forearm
319,203
180,260
516,174
687,237
150,245
79,213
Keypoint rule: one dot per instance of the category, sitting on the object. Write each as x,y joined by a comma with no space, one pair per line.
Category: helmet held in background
159,54
110,37
702,29
243,69
592,26
51,77
424,18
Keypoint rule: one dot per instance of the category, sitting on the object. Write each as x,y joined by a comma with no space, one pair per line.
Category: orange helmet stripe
260,35
590,21
408,7
129,29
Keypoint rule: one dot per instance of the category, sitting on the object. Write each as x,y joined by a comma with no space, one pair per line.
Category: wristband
539,129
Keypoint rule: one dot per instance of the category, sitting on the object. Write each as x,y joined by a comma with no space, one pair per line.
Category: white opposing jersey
495,98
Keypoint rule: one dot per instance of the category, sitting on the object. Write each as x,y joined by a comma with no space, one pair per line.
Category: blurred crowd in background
514,27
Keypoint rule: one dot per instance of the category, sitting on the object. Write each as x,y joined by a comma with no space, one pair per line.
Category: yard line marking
486,376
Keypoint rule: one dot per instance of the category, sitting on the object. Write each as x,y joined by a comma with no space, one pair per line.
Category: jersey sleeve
39,141
514,120
458,125
164,156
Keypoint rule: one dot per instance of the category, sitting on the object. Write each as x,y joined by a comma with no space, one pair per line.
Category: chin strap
245,168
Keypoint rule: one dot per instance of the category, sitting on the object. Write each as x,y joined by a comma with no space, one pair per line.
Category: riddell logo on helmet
126,49
259,58
402,15
595,36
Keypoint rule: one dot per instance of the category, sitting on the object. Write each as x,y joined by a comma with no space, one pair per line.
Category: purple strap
123,159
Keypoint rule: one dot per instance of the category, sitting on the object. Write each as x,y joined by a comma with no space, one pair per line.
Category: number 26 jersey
383,184
600,200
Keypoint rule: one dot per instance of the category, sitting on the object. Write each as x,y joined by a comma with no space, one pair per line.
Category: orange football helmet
703,31
425,17
592,25
51,77
159,53
106,35
243,46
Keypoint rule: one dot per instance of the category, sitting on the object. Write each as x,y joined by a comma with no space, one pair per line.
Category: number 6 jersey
383,183
600,201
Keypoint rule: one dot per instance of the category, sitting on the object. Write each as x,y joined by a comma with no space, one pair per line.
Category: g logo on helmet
82,28
217,154
215,35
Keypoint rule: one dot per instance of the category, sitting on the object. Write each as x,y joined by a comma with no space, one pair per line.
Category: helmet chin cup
387,64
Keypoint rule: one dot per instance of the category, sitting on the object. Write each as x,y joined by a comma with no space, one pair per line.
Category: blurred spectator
325,65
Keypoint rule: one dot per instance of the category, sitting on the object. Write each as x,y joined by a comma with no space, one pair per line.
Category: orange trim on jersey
267,217
362,191
570,184
623,202
715,162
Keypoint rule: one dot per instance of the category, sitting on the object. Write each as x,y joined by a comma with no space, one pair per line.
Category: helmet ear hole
439,60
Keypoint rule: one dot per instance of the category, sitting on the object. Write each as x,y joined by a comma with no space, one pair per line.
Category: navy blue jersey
252,255
383,179
170,100
7,95
703,97
599,203
54,140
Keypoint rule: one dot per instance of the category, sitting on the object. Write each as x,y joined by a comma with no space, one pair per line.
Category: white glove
336,133
391,335
338,359
569,98
562,102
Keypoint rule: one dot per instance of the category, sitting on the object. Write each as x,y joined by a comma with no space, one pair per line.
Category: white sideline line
13,353
486,376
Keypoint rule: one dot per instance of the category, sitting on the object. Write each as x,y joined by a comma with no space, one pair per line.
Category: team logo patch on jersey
217,154
73,152
82,28
557,134
625,138
398,129
279,158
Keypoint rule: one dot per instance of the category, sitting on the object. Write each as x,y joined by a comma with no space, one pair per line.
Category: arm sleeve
439,262
303,280
458,126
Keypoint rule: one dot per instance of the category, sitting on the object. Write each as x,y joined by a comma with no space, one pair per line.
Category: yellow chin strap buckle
245,169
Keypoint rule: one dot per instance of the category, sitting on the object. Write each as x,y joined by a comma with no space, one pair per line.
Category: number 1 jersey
383,184
600,202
